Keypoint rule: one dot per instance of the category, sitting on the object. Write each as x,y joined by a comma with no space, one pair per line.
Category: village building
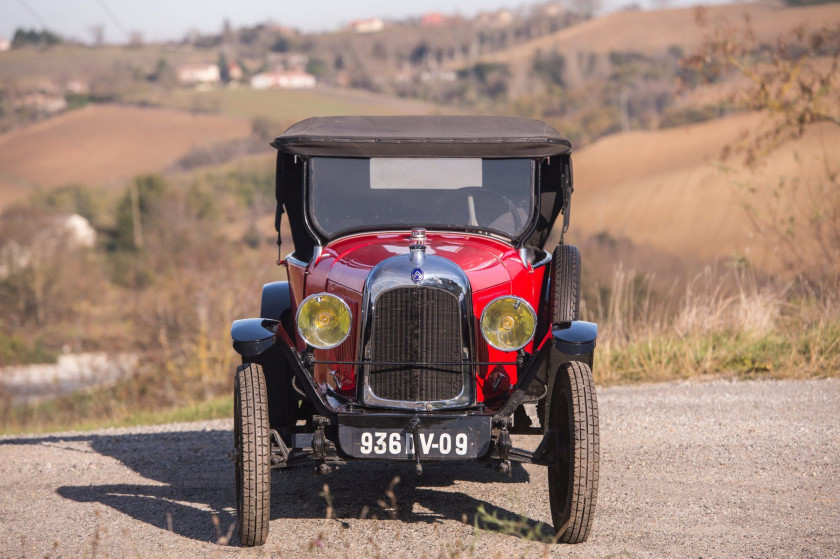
371,25
282,79
41,103
235,71
199,73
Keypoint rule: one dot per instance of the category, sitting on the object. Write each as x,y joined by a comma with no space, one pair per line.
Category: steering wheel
445,210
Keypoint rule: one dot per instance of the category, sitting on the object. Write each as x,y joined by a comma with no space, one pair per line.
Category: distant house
552,9
5,45
432,19
199,73
40,103
289,60
499,18
282,79
372,25
56,233
77,86
427,76
235,71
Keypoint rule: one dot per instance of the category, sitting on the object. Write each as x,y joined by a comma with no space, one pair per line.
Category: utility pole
623,108
137,227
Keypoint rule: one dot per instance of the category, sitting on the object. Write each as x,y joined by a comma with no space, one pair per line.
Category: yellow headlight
508,323
323,320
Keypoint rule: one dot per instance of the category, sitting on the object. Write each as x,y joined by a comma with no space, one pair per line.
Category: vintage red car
421,311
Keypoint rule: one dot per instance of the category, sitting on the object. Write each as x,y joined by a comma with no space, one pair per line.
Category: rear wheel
253,451
564,298
573,475
565,284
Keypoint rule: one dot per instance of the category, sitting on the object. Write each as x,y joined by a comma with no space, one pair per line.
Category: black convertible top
422,136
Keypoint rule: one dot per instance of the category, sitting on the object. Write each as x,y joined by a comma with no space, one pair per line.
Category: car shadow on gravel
187,486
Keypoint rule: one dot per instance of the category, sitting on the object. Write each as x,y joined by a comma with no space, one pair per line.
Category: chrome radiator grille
416,325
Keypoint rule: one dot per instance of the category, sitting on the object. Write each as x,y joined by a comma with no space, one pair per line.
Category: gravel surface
715,469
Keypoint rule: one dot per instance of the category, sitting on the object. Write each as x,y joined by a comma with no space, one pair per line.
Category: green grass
15,349
51,415
278,105
83,63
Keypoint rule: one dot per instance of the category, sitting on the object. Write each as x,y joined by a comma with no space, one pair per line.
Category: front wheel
573,473
253,451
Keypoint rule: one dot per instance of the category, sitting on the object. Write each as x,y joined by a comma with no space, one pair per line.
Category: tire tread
565,284
255,455
585,455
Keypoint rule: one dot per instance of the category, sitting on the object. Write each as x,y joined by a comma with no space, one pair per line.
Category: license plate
469,440
391,443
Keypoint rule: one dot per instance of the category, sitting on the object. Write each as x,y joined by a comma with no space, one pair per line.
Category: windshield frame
325,237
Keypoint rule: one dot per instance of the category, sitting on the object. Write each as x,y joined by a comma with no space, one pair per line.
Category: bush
550,67
15,350
682,116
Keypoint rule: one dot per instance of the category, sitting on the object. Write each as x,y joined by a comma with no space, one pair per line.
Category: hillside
287,106
666,188
104,145
650,32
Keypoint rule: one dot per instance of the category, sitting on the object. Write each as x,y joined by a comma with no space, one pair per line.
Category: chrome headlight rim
332,296
527,306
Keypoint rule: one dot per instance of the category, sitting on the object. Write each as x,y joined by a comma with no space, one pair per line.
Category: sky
160,20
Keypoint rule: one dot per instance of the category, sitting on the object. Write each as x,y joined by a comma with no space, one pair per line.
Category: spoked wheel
253,449
573,475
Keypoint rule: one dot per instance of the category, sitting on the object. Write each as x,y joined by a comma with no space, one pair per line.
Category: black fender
253,336
570,341
575,338
276,301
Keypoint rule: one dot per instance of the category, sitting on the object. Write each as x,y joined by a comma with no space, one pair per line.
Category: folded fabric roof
422,136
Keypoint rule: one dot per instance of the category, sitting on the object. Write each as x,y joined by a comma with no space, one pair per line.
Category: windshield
493,195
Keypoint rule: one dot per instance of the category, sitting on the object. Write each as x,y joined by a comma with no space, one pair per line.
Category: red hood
348,261
493,269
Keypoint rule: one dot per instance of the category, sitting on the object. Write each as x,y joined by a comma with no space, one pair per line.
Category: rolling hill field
668,189
649,32
287,106
104,145
653,33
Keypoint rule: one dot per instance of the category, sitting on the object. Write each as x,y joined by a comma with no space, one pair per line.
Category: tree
97,34
24,37
46,266
224,68
795,83
586,8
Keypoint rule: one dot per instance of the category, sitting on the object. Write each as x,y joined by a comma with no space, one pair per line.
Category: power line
114,18
33,13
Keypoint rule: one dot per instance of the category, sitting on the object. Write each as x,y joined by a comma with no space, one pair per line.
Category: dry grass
725,324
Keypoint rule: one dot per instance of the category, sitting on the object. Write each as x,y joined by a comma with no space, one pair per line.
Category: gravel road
714,469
